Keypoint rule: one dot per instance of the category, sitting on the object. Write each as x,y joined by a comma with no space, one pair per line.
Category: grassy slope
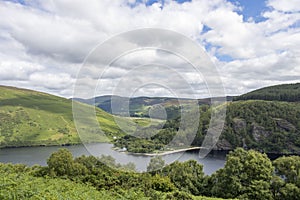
34,118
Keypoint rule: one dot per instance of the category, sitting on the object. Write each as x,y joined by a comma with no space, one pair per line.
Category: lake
39,155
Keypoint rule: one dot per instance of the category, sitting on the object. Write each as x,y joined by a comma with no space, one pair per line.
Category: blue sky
253,43
250,8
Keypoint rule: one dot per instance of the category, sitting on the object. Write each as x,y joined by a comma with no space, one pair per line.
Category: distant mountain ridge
139,106
284,92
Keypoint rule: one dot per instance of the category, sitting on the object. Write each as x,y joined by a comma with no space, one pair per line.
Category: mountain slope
33,118
140,106
269,126
284,92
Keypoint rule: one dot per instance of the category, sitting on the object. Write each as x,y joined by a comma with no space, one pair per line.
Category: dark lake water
39,155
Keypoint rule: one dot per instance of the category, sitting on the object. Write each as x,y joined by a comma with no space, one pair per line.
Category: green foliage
15,184
187,176
156,163
162,184
289,168
285,92
286,183
111,162
179,195
289,192
267,126
179,180
61,163
263,125
29,118
246,175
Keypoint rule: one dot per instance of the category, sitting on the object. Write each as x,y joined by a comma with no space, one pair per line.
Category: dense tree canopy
156,163
286,92
246,175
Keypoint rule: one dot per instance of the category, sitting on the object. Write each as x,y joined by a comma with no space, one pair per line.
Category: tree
61,162
290,192
289,168
187,176
247,174
162,184
276,184
156,163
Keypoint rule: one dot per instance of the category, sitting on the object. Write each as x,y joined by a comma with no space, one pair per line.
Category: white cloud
283,5
53,81
43,43
18,70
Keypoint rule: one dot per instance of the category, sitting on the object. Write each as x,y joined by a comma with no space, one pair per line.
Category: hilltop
140,106
30,118
284,92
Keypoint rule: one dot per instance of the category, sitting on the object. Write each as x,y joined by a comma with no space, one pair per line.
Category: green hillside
269,126
284,92
140,106
29,118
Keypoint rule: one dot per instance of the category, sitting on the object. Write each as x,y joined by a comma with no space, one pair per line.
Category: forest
284,92
246,175
268,126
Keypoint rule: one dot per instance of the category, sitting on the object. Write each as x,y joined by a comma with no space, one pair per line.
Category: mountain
284,92
269,126
29,118
33,118
140,106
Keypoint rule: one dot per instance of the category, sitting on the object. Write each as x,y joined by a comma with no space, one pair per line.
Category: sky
45,44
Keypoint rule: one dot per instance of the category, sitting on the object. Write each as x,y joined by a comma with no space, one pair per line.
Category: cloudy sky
45,44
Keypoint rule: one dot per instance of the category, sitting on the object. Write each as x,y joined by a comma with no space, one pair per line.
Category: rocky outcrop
239,124
285,125
223,144
259,132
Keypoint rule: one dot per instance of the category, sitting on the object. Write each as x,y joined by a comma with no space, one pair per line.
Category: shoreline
50,145
269,154
163,152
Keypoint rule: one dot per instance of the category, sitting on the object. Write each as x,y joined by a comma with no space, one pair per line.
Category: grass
30,118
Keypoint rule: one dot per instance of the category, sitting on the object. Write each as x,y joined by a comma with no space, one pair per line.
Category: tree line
246,175
286,92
